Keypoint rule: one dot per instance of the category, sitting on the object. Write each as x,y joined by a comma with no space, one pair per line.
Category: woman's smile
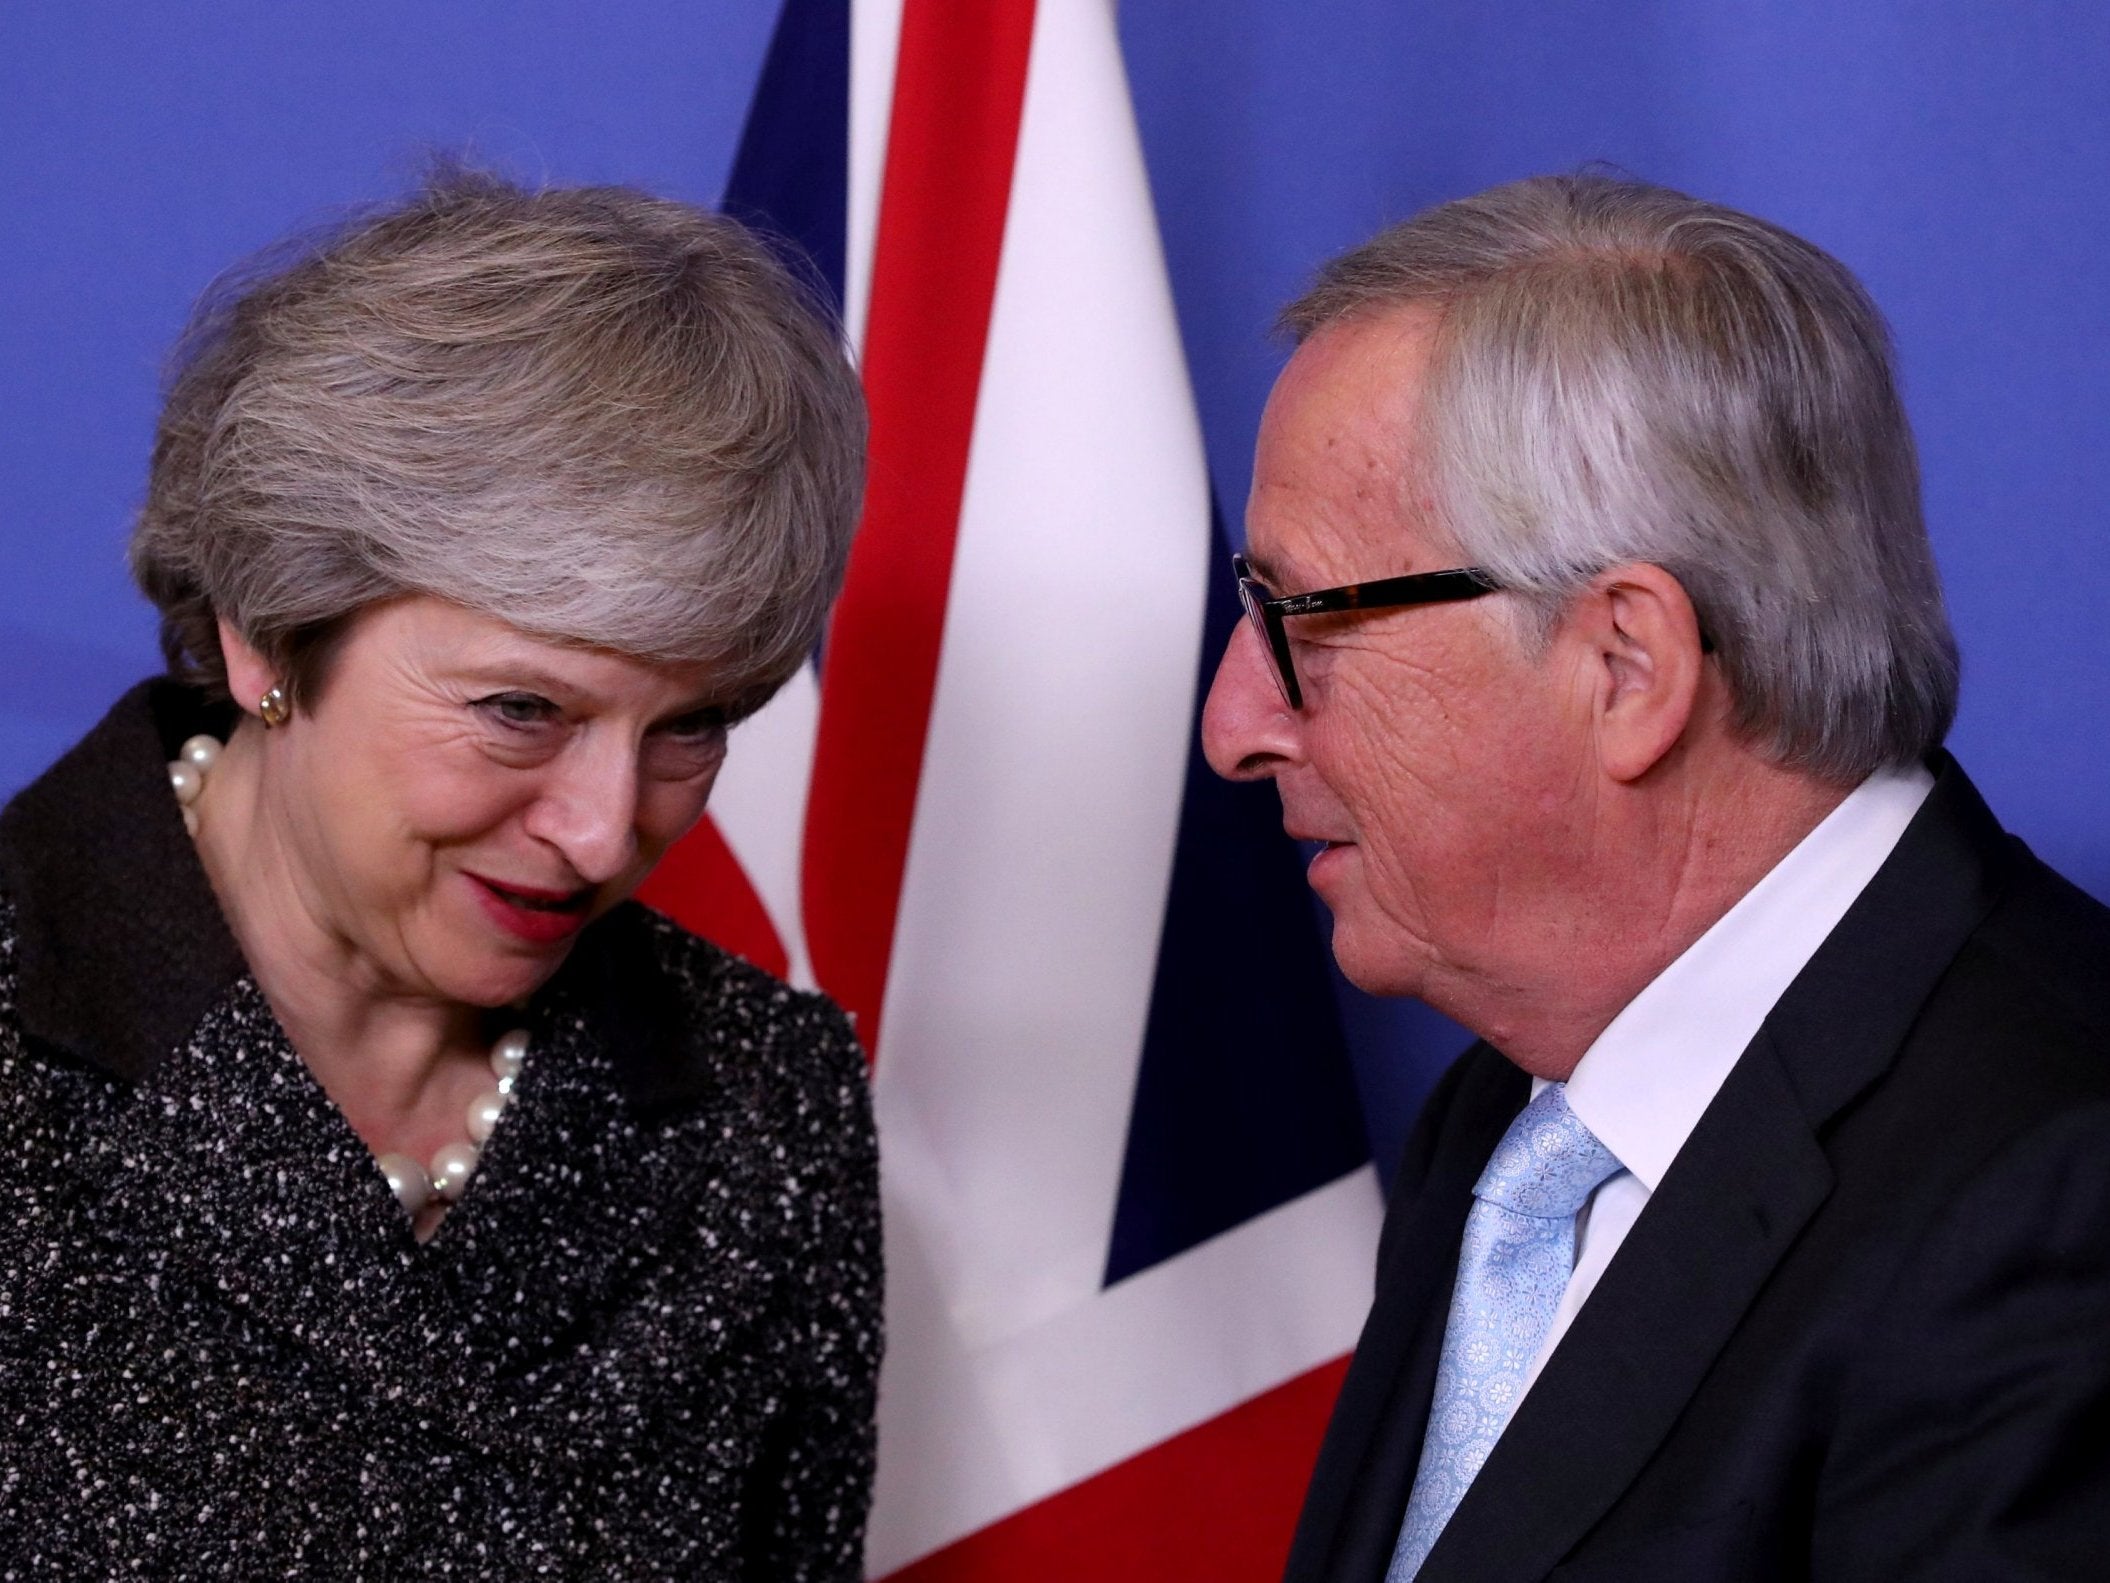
529,913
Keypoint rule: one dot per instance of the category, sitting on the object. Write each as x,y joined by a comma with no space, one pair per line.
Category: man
1595,633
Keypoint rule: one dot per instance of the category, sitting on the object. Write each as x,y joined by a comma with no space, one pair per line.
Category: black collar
1841,1021
122,947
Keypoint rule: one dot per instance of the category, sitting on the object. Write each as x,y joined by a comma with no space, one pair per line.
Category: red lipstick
530,912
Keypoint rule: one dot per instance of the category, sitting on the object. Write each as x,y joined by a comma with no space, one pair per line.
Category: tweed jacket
643,1345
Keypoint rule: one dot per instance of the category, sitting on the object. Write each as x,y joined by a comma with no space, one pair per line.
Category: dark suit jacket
1862,1328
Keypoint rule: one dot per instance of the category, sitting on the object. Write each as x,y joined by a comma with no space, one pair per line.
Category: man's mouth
1307,839
1316,849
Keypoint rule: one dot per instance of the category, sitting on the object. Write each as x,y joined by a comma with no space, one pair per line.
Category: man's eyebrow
1264,570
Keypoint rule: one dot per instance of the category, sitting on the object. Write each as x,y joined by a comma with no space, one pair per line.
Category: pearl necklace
414,1185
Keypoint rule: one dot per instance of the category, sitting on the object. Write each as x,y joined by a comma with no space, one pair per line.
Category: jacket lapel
121,945
1742,1189
1739,1193
1366,1465
620,1117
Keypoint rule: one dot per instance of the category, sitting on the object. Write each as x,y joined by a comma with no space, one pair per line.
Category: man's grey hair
602,417
1623,374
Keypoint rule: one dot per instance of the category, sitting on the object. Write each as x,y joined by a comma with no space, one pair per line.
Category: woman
382,1194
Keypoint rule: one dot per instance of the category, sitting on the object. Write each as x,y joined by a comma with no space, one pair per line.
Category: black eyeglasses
1266,611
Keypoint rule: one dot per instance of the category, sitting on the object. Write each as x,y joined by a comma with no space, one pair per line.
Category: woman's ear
249,676
1646,645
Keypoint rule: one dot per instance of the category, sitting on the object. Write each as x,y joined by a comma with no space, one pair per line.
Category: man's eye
517,710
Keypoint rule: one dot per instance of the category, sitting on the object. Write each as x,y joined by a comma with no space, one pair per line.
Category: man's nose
588,811
1248,732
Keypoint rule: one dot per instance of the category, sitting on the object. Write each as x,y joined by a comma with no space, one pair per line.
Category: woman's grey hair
605,418
1623,374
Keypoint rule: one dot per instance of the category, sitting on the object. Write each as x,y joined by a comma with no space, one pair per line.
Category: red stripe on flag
959,88
701,886
1218,1502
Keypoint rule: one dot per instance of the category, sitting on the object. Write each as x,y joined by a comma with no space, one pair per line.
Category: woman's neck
387,1059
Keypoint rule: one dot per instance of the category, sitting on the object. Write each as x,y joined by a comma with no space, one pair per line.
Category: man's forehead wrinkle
1338,493
1281,521
1308,531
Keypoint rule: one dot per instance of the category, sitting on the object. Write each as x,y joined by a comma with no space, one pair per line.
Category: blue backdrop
1955,153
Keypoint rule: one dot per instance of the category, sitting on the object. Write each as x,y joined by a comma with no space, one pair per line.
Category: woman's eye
699,725
518,710
686,746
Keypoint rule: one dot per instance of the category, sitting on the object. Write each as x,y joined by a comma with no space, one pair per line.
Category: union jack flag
1130,1211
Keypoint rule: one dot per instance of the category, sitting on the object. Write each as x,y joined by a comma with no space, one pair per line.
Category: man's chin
1370,964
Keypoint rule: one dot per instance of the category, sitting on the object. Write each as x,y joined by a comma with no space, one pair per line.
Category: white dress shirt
1642,1086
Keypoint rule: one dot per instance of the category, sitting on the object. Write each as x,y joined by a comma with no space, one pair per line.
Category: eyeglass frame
1266,610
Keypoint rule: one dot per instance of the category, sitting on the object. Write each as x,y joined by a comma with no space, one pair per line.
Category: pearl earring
274,708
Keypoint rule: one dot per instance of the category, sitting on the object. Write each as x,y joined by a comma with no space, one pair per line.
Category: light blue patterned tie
1513,1265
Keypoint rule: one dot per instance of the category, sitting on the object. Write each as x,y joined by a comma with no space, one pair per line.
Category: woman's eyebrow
523,674
703,703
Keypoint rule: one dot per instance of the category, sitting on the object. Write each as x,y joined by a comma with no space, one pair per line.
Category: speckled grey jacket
644,1345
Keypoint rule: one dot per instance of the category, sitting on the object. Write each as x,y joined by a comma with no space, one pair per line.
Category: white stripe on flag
971,1434
875,42
1042,843
760,806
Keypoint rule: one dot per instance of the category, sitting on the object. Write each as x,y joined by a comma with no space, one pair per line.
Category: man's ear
1644,644
249,676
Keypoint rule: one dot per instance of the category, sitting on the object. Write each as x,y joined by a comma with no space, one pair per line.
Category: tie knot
1548,1163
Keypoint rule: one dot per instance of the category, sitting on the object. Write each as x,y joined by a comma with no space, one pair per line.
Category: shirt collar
1642,1086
